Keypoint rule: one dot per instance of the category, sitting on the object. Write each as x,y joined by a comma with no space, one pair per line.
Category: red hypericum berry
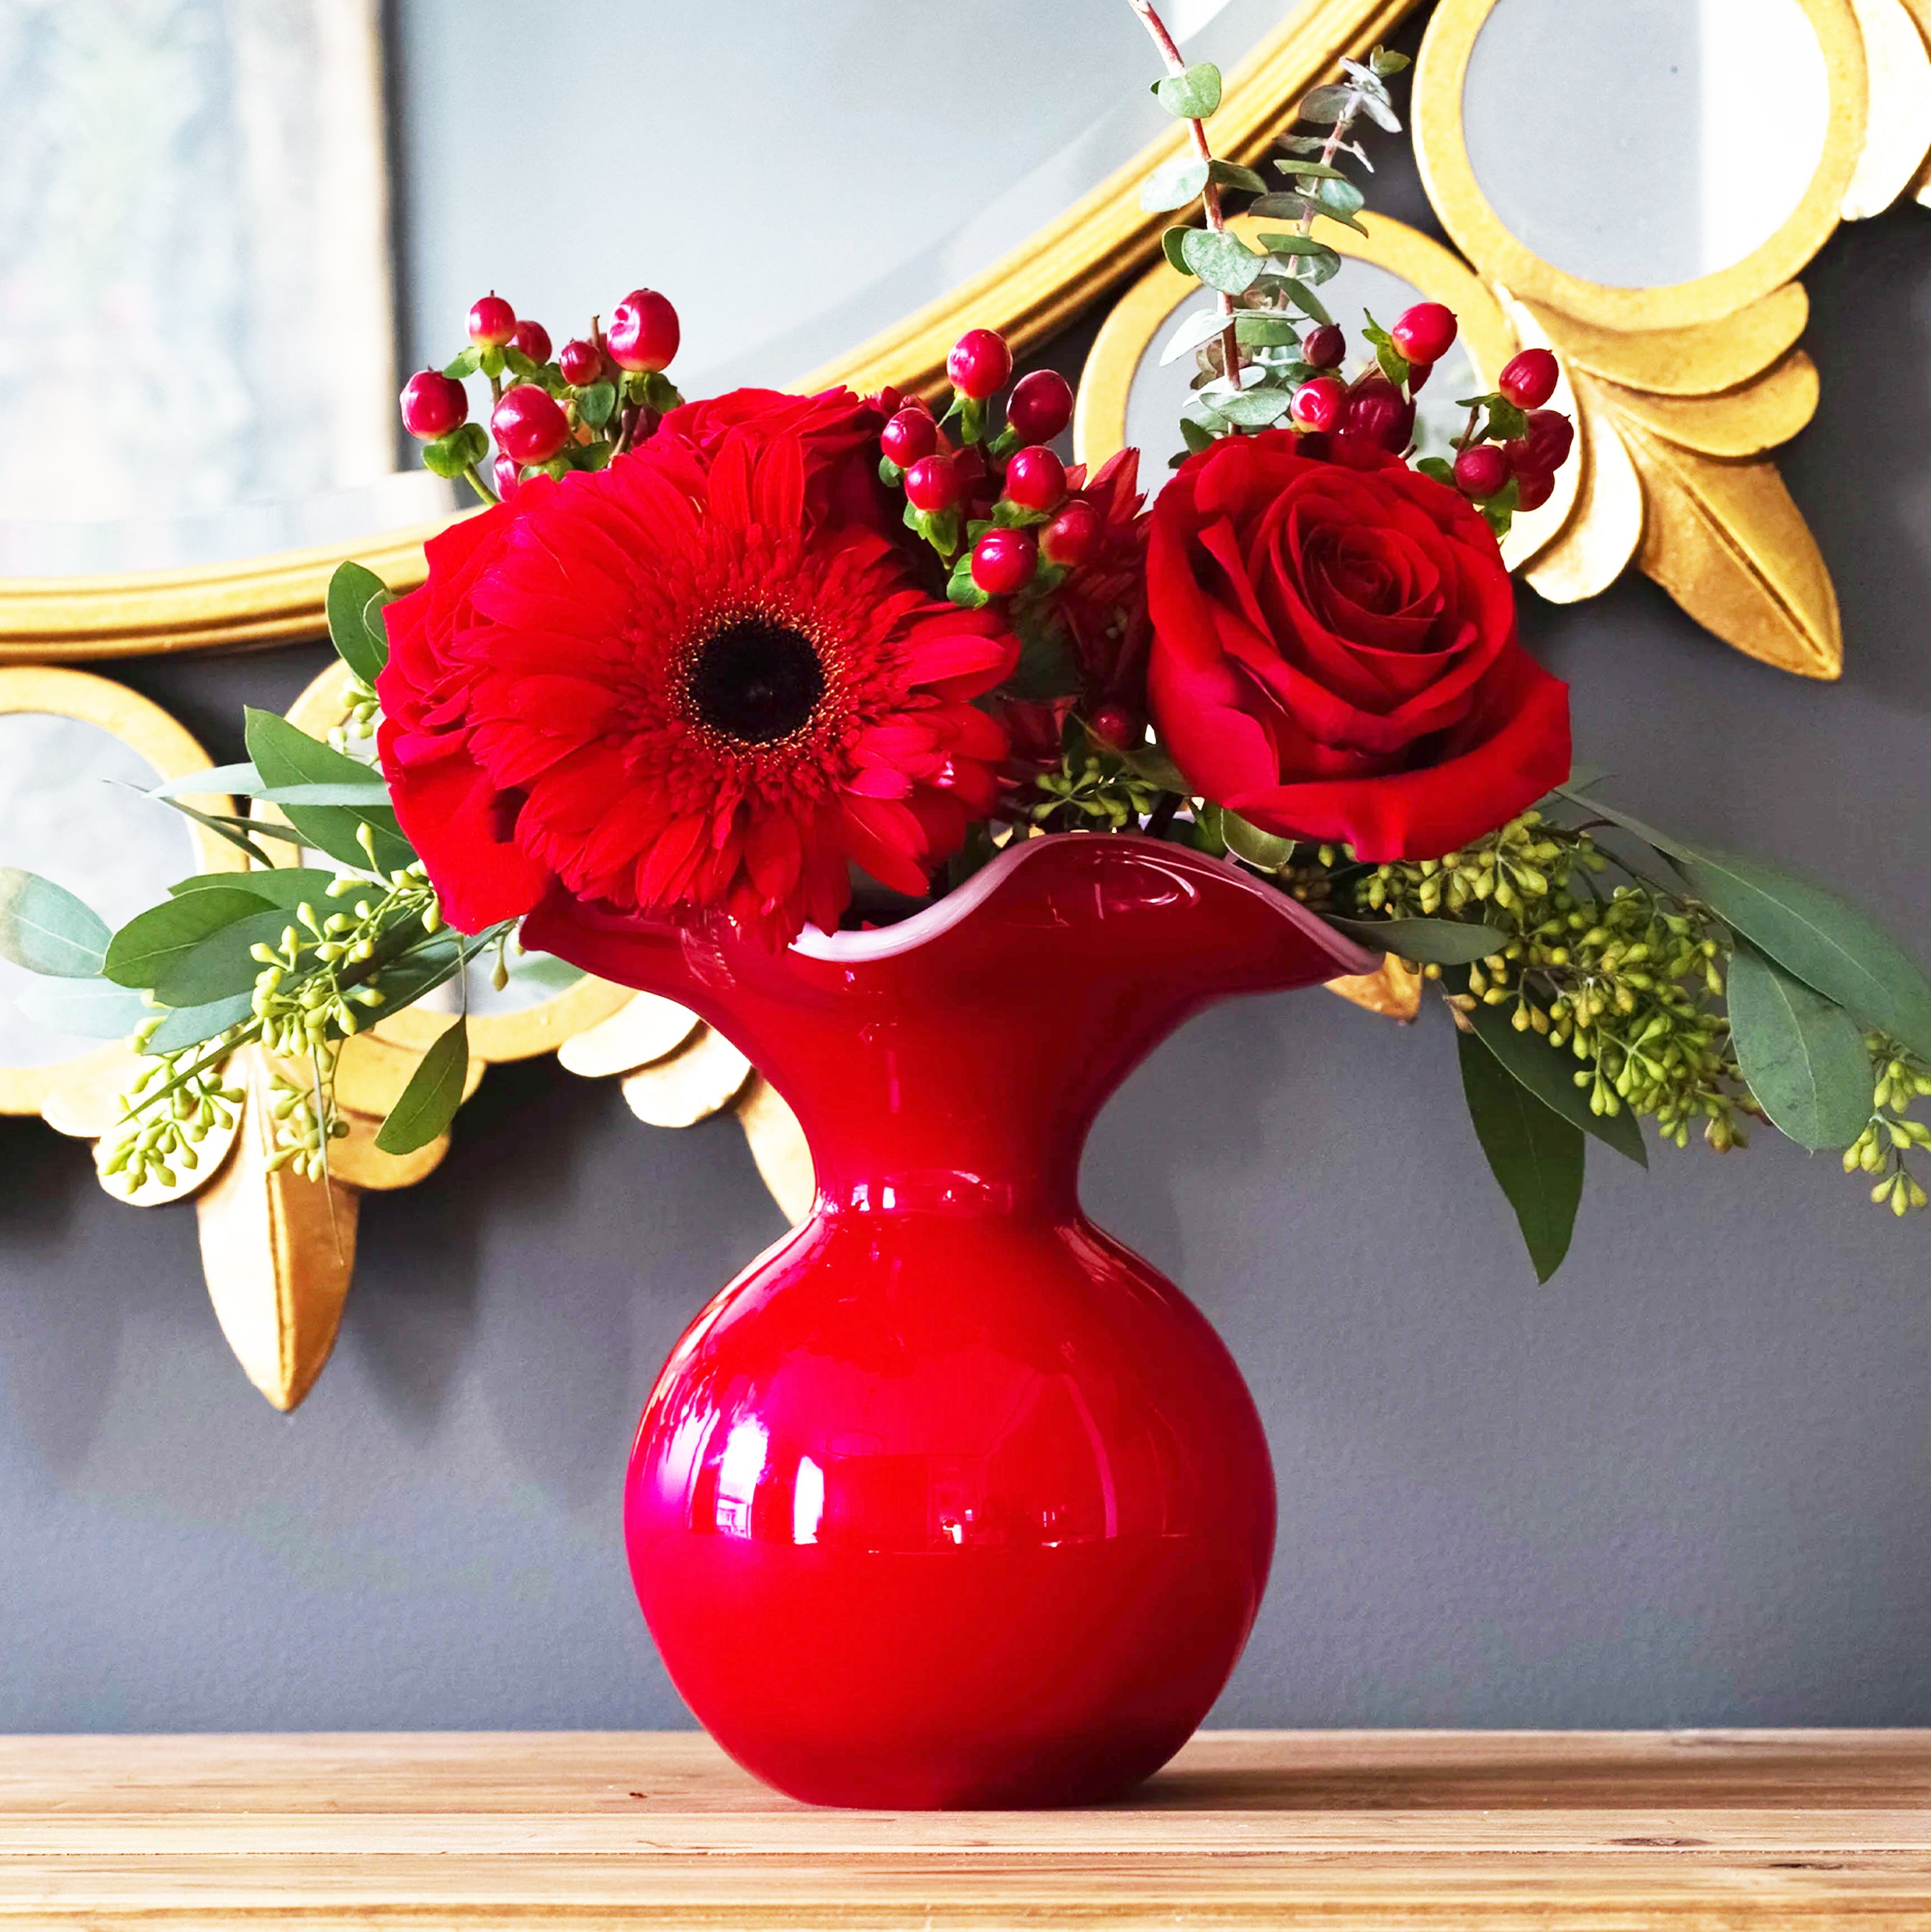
1425,333
508,474
1040,406
643,332
1481,472
492,322
1418,374
1073,536
582,363
932,484
1035,479
1320,404
1323,347
1379,413
979,365
533,339
1002,561
528,425
1546,446
1529,379
433,404
1533,488
1113,724
909,436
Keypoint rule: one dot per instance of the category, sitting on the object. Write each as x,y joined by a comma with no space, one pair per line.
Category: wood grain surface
1722,1830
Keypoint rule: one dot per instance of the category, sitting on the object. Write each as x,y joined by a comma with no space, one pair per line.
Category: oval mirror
1641,143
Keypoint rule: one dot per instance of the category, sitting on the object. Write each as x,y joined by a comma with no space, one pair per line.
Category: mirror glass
1641,143
204,238
1158,393
795,178
196,317
70,810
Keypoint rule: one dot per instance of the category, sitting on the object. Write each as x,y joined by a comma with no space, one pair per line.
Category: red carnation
1334,654
686,681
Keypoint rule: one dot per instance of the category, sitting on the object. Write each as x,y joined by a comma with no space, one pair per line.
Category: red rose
839,432
1334,654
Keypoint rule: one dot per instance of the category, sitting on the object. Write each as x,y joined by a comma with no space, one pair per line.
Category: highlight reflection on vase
951,1499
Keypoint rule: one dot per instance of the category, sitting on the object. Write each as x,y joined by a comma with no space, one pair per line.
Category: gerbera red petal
696,678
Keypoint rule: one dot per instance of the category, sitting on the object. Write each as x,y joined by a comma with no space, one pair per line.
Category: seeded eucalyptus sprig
294,960
1250,346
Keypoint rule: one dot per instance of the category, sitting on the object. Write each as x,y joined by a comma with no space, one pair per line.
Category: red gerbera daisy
672,684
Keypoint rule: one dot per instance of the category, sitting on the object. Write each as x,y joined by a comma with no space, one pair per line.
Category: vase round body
950,1499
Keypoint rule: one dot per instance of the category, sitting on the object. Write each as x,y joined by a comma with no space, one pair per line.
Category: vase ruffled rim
922,928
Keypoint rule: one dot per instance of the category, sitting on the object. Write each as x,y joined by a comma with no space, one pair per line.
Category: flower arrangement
796,660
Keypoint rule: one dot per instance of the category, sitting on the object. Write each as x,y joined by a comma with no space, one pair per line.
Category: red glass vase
950,1499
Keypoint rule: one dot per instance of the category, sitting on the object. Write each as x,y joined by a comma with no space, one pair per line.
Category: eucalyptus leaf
1802,1056
1201,325
1196,436
1255,408
289,886
1231,174
95,1009
189,1026
1312,261
153,943
1220,261
356,596
1830,946
1324,106
45,928
285,756
1192,94
1537,1156
1174,183
1157,767
1550,1075
1173,245
1266,331
417,966
217,778
1305,299
1311,170
372,791
428,1103
1267,849
1440,942
1377,110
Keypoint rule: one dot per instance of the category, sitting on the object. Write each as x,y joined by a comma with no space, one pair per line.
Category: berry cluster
1002,512
602,393
1507,457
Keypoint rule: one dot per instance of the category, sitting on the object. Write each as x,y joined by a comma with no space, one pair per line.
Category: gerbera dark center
756,680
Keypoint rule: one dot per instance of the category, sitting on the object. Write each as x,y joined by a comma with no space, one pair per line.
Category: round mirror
1159,390
77,752
1641,143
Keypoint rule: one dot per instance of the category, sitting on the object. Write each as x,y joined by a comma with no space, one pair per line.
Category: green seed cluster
316,988
362,712
1091,792
1629,982
1902,1078
164,1121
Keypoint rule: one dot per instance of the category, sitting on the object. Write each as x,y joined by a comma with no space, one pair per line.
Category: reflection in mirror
1158,393
1641,143
70,810
786,232
196,326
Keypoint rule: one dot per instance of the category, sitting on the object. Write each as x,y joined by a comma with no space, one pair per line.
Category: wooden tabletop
1705,1829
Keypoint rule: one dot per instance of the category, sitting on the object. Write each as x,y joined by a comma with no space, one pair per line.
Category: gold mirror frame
1449,176
1028,294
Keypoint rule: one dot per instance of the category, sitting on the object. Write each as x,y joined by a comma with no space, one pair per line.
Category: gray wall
1689,1482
